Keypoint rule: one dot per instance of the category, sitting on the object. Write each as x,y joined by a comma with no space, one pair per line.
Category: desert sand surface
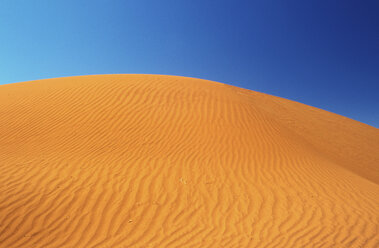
166,161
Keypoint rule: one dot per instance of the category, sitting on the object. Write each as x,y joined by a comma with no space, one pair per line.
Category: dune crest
166,161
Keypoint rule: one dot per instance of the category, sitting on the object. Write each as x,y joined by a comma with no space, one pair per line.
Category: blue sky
323,53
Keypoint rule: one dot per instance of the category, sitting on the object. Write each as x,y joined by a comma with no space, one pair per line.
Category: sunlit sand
164,161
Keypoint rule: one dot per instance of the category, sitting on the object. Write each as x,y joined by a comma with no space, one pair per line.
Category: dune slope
164,161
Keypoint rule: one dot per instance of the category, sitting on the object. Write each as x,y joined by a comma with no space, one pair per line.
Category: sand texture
164,161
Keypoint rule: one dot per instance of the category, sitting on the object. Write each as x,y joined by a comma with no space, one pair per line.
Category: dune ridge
167,161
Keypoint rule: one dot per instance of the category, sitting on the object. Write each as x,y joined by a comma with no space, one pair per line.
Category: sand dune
164,161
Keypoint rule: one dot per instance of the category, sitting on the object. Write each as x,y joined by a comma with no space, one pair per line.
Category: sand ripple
163,161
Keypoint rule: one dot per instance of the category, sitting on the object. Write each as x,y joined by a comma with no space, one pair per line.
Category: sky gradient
323,53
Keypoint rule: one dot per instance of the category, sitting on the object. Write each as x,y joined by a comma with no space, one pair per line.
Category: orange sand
164,161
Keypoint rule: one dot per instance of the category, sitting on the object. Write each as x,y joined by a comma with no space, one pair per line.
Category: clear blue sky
324,53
